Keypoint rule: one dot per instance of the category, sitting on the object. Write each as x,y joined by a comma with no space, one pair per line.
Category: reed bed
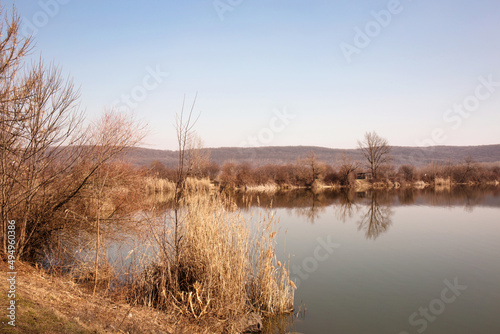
224,270
442,184
264,188
197,185
272,291
158,185
439,181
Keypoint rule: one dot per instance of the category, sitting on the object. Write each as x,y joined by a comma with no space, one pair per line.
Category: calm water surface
392,261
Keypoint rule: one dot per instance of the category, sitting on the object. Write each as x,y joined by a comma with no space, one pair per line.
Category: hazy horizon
327,147
279,73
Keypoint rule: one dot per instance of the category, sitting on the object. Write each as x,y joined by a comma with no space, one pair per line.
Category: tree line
309,172
344,174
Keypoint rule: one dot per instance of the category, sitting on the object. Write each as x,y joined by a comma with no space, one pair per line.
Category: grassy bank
163,186
55,304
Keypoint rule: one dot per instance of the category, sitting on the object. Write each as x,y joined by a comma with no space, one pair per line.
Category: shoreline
359,186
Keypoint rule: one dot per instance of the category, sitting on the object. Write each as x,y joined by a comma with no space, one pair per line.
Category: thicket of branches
48,156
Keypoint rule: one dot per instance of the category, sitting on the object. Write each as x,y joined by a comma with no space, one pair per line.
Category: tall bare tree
198,157
376,151
46,154
171,240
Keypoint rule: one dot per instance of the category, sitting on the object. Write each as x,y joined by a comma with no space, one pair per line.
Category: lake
398,261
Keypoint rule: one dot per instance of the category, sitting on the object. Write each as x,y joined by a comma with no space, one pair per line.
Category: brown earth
55,304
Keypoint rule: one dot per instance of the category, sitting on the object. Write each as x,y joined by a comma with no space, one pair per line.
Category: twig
130,309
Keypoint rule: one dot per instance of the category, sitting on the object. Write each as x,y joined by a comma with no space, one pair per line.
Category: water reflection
397,247
373,208
314,210
347,205
466,197
377,217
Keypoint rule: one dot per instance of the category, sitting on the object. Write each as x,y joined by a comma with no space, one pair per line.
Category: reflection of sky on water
396,249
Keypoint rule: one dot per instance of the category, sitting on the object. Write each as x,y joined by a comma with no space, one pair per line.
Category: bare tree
170,242
376,150
38,119
109,136
198,158
312,169
46,155
347,169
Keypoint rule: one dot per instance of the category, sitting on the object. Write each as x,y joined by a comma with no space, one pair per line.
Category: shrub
407,173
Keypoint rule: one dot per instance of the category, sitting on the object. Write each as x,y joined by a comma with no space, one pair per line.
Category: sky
282,72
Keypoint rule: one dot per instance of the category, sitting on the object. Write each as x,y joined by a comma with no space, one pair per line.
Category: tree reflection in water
377,218
347,204
372,208
313,209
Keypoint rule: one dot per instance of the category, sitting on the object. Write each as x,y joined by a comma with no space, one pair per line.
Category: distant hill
258,156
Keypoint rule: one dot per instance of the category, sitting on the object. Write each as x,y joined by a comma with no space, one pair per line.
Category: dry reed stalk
223,272
272,290
197,185
264,188
156,185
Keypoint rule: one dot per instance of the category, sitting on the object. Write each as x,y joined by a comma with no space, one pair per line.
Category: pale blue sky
273,55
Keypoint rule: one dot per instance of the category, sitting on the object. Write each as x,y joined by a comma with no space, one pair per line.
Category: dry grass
223,272
197,185
272,291
55,304
318,186
226,268
442,184
264,188
155,185
362,185
158,185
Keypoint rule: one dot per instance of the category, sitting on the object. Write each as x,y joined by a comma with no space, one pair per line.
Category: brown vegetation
307,172
205,264
224,272
47,157
63,185
376,151
55,304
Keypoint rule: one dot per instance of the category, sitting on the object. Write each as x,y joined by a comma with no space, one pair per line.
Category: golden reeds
224,271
